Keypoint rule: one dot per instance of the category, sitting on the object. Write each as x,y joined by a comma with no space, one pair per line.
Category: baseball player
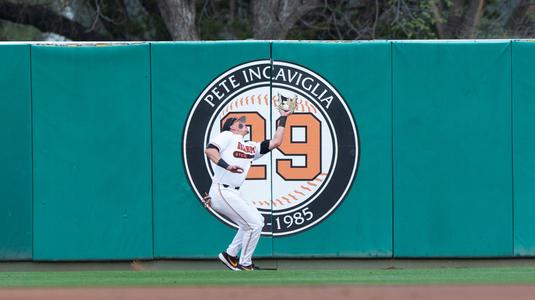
233,157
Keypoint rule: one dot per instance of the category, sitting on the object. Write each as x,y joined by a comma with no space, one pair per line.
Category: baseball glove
286,103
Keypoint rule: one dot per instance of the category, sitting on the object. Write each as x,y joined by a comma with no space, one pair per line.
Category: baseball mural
305,178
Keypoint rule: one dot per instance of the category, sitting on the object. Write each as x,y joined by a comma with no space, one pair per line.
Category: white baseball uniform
228,201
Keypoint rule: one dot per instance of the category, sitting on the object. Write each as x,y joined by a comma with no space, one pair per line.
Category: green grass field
506,275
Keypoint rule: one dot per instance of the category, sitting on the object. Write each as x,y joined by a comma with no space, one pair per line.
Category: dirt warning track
472,292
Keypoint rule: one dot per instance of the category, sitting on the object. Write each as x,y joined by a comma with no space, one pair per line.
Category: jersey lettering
239,154
248,149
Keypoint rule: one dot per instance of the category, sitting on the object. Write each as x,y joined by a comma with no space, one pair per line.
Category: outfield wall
94,148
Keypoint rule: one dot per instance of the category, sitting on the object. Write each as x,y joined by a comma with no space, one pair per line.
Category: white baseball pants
229,202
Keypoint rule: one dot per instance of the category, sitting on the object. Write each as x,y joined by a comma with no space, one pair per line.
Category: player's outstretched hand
285,113
235,169
207,200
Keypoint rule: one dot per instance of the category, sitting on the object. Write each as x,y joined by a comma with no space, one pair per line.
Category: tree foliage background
137,20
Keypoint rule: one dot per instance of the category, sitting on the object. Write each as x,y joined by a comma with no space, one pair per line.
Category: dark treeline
120,20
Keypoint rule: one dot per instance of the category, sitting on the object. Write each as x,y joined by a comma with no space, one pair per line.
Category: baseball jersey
235,151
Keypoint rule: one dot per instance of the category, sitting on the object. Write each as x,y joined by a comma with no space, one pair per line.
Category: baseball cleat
250,267
230,261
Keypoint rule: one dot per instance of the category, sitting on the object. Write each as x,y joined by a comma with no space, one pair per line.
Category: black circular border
202,179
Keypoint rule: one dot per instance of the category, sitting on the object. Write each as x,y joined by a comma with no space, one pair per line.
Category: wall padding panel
361,225
183,228
15,153
524,147
92,152
452,149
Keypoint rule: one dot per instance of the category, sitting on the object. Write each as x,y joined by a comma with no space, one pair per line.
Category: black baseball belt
230,186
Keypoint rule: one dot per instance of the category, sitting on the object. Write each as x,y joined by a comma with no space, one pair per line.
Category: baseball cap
230,121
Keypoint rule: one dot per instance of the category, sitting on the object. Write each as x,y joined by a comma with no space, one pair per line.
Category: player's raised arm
279,133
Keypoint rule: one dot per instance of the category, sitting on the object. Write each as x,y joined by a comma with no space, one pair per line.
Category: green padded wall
524,147
452,120
361,226
180,72
452,149
92,152
15,153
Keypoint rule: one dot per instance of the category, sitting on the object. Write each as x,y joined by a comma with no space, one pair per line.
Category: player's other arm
279,133
213,154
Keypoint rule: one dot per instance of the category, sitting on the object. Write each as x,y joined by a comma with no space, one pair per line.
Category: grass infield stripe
507,275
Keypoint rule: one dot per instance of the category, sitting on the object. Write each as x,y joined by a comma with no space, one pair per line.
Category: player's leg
235,246
252,236
228,258
230,203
